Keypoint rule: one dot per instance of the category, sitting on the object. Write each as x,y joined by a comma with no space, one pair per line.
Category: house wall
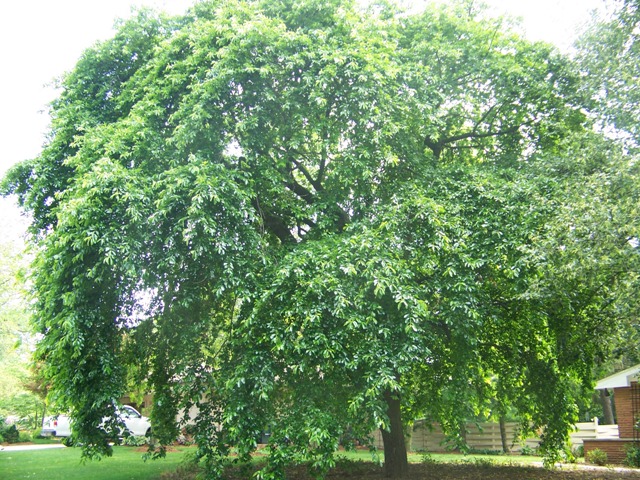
616,449
624,410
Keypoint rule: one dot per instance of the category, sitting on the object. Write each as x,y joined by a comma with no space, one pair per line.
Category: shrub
184,440
579,451
527,450
68,442
25,437
485,451
9,433
135,441
568,455
427,458
633,456
597,457
484,462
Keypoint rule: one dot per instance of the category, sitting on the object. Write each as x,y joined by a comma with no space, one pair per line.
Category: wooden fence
593,431
486,436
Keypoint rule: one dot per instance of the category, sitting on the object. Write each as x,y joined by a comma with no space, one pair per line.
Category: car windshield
128,411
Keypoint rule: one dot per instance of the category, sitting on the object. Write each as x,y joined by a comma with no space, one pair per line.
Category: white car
60,426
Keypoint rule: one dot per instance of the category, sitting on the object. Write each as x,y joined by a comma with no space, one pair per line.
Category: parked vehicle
56,426
136,424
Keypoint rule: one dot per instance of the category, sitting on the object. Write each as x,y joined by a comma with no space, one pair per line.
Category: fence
593,430
486,436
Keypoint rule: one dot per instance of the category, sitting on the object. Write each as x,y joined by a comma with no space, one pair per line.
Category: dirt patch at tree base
474,472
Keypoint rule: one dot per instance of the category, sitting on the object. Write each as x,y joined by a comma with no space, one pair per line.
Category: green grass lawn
64,464
447,458
127,463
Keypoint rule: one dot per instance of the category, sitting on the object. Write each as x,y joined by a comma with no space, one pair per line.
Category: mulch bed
435,471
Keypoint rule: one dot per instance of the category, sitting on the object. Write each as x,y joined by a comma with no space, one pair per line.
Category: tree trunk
396,464
408,436
44,414
605,398
506,448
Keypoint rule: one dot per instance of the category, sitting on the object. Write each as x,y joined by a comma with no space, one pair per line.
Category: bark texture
396,464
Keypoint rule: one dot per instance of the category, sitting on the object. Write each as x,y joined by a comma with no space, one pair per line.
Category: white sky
41,39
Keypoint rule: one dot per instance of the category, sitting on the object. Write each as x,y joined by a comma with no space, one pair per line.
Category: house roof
620,379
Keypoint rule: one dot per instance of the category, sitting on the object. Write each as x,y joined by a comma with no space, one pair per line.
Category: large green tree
304,217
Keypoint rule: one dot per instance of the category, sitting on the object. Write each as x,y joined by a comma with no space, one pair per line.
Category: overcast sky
41,39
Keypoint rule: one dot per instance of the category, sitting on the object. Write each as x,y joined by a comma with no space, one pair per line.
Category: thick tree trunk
605,398
506,448
396,464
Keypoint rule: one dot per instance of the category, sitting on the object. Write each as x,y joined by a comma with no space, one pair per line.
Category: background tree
608,53
17,398
311,218
592,258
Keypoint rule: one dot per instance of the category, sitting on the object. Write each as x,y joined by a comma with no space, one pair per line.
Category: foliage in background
19,395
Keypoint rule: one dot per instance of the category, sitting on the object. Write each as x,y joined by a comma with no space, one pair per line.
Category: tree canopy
321,220
608,54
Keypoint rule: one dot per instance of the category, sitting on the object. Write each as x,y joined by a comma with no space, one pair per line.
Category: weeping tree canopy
302,216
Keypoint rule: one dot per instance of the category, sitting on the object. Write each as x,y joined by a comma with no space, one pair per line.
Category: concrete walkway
20,448
586,466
